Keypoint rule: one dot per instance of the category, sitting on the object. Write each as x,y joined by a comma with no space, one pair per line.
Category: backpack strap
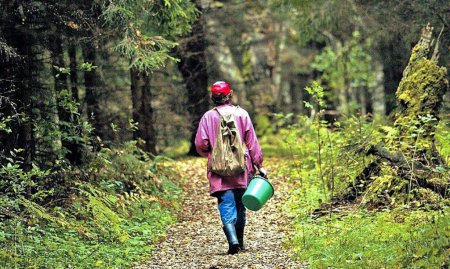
216,109
220,114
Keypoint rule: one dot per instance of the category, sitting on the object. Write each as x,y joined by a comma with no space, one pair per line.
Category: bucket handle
265,178
261,174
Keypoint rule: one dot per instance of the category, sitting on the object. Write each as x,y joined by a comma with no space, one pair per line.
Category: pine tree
148,30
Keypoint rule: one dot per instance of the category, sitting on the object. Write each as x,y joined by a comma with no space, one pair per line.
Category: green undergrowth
176,149
341,234
109,220
322,155
387,239
83,244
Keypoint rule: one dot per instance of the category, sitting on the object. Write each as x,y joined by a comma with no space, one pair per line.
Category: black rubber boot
240,236
233,243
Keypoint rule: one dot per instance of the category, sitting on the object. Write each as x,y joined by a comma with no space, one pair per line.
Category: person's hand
263,172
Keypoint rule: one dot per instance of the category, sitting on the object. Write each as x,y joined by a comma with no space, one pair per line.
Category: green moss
420,94
388,188
419,52
427,197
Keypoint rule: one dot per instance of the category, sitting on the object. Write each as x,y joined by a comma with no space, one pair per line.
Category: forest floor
197,240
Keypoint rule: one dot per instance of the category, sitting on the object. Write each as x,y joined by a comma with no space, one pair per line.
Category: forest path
197,240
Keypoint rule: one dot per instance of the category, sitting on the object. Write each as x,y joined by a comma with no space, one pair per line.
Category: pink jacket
206,137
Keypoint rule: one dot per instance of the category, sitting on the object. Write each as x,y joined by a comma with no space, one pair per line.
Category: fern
101,205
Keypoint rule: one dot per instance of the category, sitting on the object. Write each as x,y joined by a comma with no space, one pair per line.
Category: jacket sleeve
251,142
202,144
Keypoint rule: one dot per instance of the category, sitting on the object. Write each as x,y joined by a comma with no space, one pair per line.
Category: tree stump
408,169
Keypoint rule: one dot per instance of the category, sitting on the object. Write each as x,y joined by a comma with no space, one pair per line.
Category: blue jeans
231,208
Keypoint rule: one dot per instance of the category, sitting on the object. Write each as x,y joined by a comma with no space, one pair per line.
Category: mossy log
424,175
408,169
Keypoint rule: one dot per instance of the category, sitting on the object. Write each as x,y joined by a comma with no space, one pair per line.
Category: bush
107,220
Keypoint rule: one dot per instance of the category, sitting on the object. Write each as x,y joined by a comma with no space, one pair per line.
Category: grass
405,239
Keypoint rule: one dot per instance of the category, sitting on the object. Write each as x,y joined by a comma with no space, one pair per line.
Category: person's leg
228,215
227,207
240,221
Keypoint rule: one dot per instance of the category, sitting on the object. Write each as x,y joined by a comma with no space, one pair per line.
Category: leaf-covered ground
197,240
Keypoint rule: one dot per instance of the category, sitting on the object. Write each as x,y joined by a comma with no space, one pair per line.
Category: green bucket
258,192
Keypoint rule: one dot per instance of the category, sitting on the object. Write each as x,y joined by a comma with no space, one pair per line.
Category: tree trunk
73,72
277,76
92,84
393,64
364,101
66,119
59,115
377,88
193,68
20,83
142,110
420,94
296,91
344,95
225,55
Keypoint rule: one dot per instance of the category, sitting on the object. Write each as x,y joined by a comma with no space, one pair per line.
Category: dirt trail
197,241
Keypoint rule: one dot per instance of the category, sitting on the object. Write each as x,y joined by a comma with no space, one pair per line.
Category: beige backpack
227,157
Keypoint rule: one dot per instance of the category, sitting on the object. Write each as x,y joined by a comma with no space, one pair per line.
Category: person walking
229,189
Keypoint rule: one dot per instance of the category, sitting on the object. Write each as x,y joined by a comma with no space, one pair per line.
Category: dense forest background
94,93
119,65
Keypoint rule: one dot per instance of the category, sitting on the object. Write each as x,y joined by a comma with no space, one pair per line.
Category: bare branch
435,56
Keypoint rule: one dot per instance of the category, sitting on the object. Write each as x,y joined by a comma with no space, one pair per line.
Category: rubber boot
240,236
233,243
